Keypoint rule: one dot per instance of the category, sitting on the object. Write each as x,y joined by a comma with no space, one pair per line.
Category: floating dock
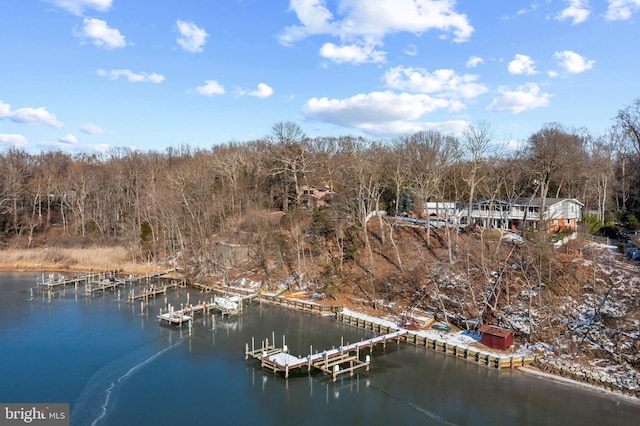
342,360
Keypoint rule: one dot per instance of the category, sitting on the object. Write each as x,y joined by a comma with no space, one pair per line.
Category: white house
441,210
559,213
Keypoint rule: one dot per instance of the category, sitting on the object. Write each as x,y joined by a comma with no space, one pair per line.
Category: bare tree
430,153
476,140
628,121
291,162
549,150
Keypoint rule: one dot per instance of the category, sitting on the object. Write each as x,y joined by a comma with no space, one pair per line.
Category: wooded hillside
292,209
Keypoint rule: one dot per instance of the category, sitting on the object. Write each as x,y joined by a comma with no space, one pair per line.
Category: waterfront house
559,214
441,209
315,197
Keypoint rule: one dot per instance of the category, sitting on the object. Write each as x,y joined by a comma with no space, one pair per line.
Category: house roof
528,201
494,331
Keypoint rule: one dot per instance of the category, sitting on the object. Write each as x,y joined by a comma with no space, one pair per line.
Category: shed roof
494,331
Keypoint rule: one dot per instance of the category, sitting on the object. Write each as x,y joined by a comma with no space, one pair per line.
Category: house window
568,221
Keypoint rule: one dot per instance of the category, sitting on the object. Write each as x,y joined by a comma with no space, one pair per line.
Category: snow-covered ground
462,339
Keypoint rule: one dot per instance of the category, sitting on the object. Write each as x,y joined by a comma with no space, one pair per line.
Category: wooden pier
102,281
104,285
337,361
153,291
441,345
300,305
54,281
148,277
224,306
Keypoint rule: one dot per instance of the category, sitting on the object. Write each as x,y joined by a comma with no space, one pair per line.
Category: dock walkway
440,344
226,306
57,280
106,284
153,291
331,361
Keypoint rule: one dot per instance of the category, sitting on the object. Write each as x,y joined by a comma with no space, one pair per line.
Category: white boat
226,303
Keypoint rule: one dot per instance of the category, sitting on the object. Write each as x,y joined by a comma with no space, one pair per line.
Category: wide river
117,365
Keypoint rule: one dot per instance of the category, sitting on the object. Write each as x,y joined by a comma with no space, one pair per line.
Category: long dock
333,361
148,277
300,305
441,345
53,281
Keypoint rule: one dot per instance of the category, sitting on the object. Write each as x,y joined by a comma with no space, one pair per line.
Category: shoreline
532,371
625,394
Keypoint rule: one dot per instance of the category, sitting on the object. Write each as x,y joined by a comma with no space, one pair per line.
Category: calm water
117,366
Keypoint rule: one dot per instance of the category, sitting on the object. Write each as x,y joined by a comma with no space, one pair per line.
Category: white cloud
572,62
263,91
69,139
371,21
577,10
451,127
522,64
191,37
29,115
77,7
210,88
375,109
474,61
13,140
620,10
411,50
525,97
532,8
314,17
443,82
101,34
132,77
352,53
93,129
73,147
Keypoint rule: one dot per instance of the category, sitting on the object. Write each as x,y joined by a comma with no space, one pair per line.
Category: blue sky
87,75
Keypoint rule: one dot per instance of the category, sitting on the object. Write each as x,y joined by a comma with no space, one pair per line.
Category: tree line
160,204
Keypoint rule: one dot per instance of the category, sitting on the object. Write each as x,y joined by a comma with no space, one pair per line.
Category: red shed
496,337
